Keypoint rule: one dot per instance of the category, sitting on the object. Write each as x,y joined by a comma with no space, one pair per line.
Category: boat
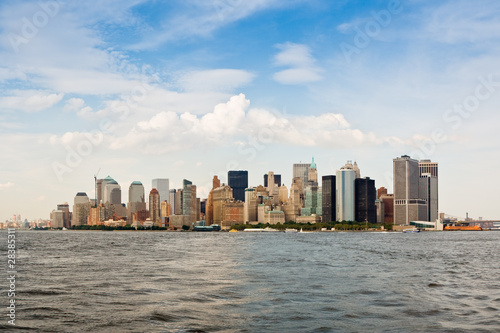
462,227
290,230
64,229
411,230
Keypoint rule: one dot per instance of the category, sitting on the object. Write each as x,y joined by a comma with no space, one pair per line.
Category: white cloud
214,80
30,100
234,123
298,57
74,104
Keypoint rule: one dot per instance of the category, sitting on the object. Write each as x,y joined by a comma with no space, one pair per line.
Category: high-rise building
99,191
171,199
427,166
136,199
328,185
407,204
189,203
312,174
301,170
66,214
111,191
238,181
312,205
250,207
381,191
365,196
220,195
81,209
345,194
163,187
428,191
154,206
277,179
57,217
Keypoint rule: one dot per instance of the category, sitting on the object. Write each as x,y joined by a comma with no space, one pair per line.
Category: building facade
238,181
345,204
328,201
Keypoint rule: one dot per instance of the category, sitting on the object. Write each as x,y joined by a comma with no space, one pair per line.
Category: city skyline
145,90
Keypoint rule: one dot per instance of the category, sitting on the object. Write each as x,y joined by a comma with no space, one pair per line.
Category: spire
313,165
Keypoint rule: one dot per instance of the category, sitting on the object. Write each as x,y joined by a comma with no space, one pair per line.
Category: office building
66,214
220,196
136,199
428,191
81,209
345,204
162,185
328,192
154,206
427,166
238,181
189,201
312,174
407,204
312,205
365,196
301,170
277,179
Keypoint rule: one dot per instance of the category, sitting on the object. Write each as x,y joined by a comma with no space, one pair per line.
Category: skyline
193,89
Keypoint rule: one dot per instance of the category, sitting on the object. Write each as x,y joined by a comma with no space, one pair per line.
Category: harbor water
84,281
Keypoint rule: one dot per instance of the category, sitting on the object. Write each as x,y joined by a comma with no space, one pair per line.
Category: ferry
463,227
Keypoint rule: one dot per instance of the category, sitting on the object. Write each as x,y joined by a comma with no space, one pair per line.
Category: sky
189,89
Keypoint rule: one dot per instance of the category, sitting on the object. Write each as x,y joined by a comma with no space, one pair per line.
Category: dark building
328,185
365,195
277,180
238,181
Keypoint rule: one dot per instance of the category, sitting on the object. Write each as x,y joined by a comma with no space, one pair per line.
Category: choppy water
269,282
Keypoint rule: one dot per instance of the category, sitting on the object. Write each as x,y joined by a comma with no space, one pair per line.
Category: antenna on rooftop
95,187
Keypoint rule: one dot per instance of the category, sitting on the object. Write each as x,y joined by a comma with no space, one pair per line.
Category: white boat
411,230
290,230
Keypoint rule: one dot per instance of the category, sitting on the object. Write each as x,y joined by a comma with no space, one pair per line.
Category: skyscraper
81,209
313,200
189,201
328,185
277,179
428,189
345,194
154,206
136,200
238,181
301,170
407,204
163,187
312,174
365,196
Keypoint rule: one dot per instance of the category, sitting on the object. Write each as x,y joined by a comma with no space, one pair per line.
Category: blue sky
189,89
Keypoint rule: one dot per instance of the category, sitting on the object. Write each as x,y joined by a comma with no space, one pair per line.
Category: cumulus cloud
302,64
30,101
235,123
74,104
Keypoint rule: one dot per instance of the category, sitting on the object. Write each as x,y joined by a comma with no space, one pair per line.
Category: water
268,282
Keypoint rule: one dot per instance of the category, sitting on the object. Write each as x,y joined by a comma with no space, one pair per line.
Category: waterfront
264,282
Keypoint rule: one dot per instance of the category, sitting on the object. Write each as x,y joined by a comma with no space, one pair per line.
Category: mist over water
82,281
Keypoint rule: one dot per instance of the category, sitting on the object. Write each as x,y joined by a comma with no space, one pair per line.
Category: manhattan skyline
186,90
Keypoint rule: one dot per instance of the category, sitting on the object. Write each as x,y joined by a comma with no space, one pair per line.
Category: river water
83,281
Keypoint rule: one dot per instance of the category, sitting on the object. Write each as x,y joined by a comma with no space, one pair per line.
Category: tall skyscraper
301,170
429,191
171,200
136,199
81,209
154,206
328,185
365,196
407,204
66,214
313,200
238,181
189,201
163,187
345,194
